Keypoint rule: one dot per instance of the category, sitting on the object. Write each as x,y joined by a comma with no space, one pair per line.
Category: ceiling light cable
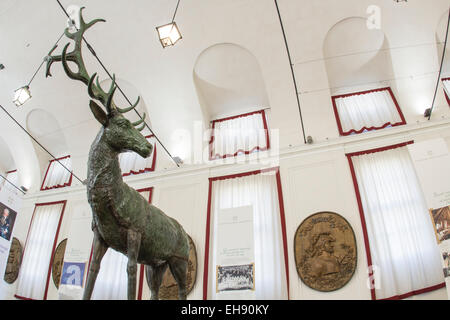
45,149
12,184
440,69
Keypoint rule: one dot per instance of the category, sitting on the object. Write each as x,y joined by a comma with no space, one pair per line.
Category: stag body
121,218
124,220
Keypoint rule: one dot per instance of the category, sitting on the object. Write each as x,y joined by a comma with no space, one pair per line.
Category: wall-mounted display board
325,251
169,288
58,262
14,261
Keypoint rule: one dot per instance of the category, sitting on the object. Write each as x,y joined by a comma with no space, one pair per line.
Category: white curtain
132,163
38,251
365,111
261,192
446,83
57,175
403,247
112,279
244,134
5,186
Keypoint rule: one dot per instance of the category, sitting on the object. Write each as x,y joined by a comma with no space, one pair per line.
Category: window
13,177
367,110
402,253
58,174
244,133
38,252
258,193
131,163
112,279
446,83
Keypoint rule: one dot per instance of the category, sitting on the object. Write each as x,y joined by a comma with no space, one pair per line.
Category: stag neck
103,164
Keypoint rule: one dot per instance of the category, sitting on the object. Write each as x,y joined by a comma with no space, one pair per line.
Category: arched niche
132,93
44,127
356,57
6,158
228,81
441,31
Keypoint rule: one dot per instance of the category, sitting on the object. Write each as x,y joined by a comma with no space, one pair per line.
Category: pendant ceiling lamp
169,34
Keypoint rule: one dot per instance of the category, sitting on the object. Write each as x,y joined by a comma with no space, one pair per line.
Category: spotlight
22,95
2,66
427,112
178,160
23,189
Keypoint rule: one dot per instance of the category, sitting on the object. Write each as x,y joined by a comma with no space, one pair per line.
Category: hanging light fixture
169,33
22,95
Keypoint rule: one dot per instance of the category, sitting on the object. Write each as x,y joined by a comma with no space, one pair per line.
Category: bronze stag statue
122,219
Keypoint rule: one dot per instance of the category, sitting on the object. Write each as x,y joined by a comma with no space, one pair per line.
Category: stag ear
98,112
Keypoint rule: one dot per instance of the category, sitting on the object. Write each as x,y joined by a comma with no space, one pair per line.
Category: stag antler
95,90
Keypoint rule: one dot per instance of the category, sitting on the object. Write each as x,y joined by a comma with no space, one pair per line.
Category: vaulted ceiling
192,82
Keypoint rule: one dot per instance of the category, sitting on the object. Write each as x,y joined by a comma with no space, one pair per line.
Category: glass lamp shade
168,34
22,95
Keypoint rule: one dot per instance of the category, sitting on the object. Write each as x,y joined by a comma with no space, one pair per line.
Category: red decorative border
64,202
351,131
213,156
141,269
445,92
10,171
67,184
364,225
208,222
152,168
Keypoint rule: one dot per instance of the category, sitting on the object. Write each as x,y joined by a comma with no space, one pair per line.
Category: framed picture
446,263
441,223
238,277
7,219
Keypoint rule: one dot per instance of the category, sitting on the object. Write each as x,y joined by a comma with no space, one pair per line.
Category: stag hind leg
178,267
154,278
98,251
133,245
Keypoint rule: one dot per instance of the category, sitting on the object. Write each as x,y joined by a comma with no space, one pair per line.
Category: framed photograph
239,277
441,223
446,262
7,219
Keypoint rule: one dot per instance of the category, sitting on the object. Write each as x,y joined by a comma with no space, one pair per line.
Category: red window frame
152,168
213,155
67,184
364,226
64,202
361,130
282,222
445,92
142,268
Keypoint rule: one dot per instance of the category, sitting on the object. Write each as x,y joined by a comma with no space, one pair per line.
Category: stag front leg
98,251
134,242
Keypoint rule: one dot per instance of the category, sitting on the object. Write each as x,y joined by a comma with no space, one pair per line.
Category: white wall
313,179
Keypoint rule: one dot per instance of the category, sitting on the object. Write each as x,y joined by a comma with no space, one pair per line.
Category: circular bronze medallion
325,251
169,287
14,261
58,260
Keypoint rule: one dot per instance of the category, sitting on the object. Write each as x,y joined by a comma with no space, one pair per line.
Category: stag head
121,134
